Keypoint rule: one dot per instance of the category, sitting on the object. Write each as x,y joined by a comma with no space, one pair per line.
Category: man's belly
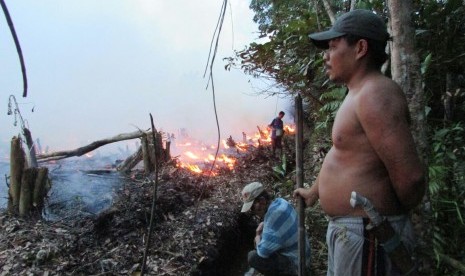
337,180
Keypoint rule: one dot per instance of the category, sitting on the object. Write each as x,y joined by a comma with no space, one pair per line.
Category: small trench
230,258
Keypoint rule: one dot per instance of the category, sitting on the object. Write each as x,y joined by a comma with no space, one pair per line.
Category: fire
191,155
199,158
289,129
193,168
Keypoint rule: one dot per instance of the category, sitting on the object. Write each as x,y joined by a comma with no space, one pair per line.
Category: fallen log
88,148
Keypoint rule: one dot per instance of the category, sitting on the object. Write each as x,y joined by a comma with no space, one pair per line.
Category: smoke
98,68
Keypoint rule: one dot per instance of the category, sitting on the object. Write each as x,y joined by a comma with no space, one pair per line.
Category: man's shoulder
280,205
380,87
279,210
379,82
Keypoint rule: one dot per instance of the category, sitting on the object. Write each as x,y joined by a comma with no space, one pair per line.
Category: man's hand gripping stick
385,234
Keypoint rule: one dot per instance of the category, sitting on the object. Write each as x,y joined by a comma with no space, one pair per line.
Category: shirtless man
373,151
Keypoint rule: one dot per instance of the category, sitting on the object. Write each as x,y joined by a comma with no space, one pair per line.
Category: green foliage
447,189
285,186
332,100
287,58
281,169
440,41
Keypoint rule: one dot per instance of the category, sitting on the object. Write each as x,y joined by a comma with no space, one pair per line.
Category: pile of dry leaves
198,228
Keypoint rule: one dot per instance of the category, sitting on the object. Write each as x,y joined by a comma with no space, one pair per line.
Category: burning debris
199,158
199,229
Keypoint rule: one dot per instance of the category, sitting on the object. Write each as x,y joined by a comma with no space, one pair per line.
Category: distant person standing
277,132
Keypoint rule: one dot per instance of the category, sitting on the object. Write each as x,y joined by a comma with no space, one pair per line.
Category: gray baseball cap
363,23
249,194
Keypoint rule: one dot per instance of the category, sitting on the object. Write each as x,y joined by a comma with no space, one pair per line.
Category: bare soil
198,227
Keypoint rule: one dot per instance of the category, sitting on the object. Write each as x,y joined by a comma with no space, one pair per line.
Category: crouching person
276,241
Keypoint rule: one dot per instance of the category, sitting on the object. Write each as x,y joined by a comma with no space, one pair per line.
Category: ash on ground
198,227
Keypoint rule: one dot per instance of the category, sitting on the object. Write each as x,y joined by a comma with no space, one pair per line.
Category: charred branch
131,161
262,134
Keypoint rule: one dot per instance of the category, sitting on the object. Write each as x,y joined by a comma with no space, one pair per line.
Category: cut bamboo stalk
25,197
40,188
17,163
31,150
148,168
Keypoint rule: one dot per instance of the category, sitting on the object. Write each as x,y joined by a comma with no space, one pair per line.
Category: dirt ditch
199,229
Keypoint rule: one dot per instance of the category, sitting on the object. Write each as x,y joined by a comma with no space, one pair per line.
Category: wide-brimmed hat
249,194
363,23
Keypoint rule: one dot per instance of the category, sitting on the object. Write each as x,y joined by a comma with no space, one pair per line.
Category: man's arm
258,234
271,125
310,195
383,114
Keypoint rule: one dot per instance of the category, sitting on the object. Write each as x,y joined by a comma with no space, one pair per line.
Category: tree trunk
353,3
405,70
329,11
17,162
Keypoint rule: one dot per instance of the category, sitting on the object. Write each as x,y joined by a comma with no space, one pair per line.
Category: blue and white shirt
280,232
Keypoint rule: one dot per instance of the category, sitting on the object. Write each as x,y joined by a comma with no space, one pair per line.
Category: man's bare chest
347,131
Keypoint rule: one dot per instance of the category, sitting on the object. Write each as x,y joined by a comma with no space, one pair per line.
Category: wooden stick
154,198
300,179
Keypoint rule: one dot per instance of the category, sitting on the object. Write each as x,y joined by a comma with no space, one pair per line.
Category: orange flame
203,158
191,155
